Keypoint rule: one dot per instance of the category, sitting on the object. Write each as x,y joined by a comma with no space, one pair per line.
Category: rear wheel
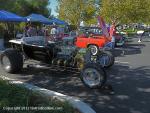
93,76
11,60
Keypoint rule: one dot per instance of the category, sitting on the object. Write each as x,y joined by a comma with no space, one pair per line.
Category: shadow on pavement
128,49
132,88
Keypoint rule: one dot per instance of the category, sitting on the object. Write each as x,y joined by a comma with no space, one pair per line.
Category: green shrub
14,96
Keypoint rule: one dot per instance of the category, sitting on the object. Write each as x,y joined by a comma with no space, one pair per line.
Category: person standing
31,31
112,33
54,33
140,34
25,34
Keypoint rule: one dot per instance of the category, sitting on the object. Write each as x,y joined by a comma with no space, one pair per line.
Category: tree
75,11
125,11
39,6
26,7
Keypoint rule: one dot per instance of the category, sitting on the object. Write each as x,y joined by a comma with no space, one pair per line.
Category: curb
75,102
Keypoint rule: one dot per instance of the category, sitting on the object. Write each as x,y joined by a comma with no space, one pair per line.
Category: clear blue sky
53,4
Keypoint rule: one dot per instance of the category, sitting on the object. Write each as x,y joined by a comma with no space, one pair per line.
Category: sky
53,4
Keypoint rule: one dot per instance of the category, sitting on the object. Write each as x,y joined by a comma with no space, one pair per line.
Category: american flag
103,26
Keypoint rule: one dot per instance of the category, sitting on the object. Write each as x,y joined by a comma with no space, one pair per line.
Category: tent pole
14,29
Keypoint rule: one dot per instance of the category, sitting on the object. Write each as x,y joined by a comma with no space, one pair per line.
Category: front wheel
103,58
106,59
93,76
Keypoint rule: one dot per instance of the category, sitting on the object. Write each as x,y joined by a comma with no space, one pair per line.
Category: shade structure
6,16
58,21
38,18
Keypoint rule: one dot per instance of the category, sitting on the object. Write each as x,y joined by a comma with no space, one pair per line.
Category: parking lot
129,78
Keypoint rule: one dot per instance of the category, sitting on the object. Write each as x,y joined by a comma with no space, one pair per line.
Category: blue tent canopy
58,21
6,16
38,18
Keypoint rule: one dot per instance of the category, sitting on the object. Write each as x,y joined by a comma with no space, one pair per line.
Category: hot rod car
63,55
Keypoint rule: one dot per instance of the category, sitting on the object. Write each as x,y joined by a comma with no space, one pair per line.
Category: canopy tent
6,16
58,21
38,18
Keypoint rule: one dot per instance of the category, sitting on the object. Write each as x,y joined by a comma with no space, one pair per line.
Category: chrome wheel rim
91,77
93,50
6,63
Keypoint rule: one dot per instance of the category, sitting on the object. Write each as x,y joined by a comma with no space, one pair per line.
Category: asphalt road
130,78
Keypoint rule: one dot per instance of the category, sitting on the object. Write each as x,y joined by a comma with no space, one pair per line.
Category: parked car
93,39
146,34
120,39
62,55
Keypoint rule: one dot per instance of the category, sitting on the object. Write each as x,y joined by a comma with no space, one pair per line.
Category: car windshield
92,30
95,31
